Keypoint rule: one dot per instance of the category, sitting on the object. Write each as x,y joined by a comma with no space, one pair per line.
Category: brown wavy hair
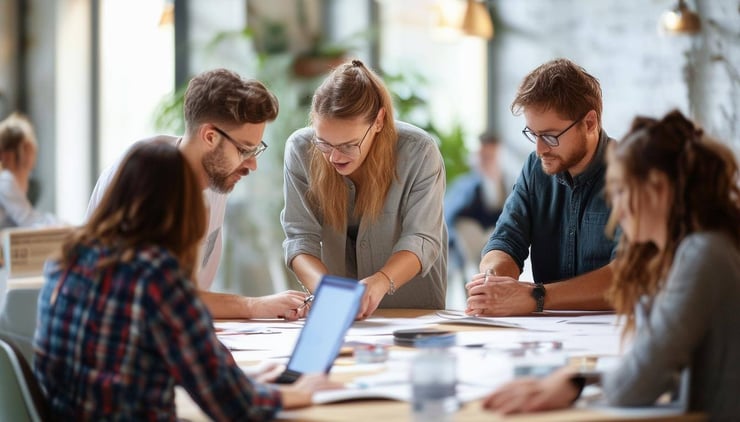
223,97
154,199
353,91
562,86
704,182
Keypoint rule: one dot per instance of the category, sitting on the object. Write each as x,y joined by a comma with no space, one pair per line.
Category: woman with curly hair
675,194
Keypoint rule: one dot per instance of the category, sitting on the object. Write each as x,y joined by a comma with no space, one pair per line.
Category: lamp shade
477,20
681,20
168,14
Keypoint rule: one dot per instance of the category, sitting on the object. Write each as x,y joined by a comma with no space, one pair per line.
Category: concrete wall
40,89
641,71
8,50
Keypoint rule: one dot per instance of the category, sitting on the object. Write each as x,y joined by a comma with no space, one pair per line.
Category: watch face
538,292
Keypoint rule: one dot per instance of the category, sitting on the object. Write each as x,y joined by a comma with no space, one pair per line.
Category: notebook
334,308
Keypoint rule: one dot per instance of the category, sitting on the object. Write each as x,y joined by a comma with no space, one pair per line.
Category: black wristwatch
538,293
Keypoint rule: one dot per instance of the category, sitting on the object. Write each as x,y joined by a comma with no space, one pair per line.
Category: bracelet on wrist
392,285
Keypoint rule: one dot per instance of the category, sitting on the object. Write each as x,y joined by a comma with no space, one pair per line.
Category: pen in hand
306,301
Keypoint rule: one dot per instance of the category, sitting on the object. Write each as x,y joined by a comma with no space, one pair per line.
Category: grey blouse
411,220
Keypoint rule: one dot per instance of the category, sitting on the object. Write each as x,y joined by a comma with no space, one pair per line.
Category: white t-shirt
210,251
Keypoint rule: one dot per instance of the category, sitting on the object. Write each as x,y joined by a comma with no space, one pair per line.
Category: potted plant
320,59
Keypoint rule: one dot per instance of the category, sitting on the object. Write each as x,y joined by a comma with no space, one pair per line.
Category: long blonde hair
706,196
353,91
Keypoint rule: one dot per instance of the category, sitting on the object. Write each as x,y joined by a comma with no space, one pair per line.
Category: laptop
335,305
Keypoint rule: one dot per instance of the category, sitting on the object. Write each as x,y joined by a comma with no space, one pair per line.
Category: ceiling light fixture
680,20
168,14
477,20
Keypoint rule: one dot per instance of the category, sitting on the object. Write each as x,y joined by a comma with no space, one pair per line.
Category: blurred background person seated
473,203
18,158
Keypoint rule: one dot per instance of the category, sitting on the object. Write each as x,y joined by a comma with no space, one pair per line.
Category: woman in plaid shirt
120,323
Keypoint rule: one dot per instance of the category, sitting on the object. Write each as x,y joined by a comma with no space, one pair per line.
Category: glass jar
434,380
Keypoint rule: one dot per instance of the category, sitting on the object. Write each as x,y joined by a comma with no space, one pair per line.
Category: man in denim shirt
557,208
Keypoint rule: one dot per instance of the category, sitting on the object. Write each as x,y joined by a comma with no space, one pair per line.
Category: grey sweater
694,321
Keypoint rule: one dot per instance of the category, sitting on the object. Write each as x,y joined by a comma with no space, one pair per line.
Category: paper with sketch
589,324
528,323
378,326
278,344
638,412
399,392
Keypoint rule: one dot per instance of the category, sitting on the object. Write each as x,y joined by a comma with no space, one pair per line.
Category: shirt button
363,244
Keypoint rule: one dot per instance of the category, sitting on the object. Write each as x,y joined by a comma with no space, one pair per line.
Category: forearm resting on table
294,398
584,292
309,270
226,305
501,264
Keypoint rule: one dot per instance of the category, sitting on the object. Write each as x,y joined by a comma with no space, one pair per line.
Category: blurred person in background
18,150
473,203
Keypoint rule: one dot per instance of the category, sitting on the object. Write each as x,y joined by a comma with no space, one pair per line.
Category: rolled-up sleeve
422,216
512,233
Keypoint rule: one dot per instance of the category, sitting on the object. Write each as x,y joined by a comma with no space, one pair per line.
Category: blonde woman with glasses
363,197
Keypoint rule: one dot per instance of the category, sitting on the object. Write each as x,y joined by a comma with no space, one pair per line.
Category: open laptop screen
336,303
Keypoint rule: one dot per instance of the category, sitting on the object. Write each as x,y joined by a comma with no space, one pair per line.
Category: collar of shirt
595,168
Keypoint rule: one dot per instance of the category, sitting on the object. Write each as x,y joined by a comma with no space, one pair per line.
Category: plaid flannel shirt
112,344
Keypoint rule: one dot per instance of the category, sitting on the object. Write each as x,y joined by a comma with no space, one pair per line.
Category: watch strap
539,296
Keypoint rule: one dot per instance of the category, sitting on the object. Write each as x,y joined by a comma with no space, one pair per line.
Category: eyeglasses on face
350,150
244,153
550,140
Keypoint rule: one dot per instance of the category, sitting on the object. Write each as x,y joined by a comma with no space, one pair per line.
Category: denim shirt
561,218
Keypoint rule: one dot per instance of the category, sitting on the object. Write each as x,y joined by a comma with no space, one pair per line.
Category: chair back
25,250
18,318
21,398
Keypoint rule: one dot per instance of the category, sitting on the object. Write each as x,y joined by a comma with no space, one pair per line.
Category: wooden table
392,411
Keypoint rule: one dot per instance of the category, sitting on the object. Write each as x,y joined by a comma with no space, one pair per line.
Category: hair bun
357,63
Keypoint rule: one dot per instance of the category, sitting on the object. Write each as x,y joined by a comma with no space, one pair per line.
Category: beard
218,170
556,163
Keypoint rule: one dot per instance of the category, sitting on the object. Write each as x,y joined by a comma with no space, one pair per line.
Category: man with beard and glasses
225,118
557,210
